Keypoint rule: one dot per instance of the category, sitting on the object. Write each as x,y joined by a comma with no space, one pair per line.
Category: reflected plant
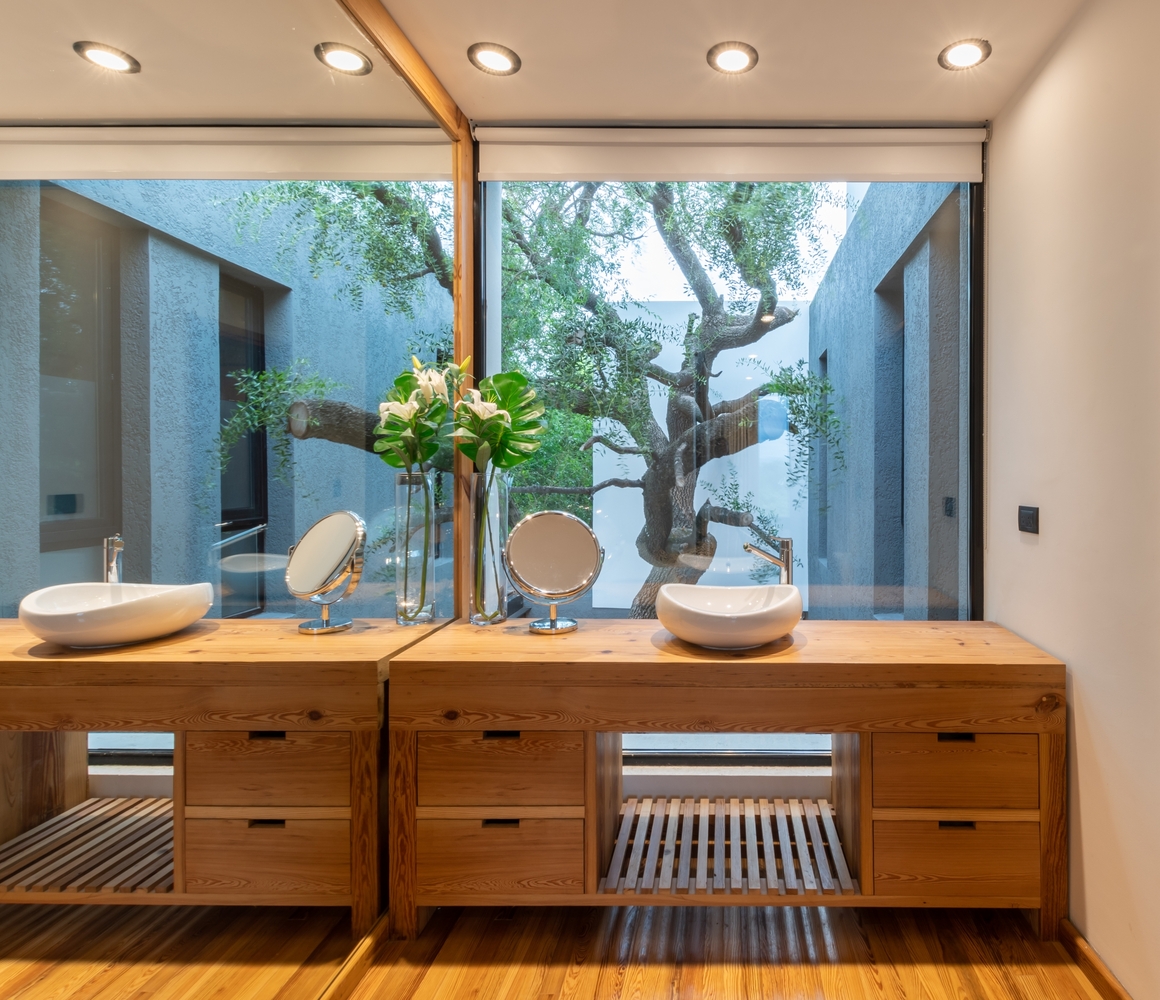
265,405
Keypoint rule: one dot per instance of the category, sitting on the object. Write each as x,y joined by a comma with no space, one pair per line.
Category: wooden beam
388,37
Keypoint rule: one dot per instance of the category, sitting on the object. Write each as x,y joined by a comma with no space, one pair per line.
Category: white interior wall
1074,427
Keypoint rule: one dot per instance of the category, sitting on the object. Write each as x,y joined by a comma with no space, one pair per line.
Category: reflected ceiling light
498,60
767,318
965,54
732,57
343,59
107,57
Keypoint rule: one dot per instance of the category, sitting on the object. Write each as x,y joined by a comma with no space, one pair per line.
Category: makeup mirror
326,565
553,557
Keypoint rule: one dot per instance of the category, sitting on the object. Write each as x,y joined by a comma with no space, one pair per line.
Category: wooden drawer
501,768
307,856
267,769
943,859
988,771
529,856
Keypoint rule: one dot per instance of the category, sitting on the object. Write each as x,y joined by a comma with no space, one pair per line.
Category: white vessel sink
110,614
729,617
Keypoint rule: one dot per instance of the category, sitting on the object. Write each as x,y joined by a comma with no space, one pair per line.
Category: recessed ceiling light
732,57
965,54
498,60
343,59
107,57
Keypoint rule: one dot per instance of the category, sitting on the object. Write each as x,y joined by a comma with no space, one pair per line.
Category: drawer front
937,859
530,856
267,769
990,771
251,857
501,769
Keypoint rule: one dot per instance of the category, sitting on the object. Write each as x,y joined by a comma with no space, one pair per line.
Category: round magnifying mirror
325,566
553,557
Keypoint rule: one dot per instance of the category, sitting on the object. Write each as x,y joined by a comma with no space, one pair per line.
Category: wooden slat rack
734,847
99,846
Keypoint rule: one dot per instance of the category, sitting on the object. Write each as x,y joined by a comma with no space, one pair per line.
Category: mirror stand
553,625
325,623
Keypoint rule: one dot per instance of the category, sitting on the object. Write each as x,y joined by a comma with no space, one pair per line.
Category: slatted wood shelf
99,846
667,846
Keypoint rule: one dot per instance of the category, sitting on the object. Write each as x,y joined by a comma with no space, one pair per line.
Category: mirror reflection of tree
589,348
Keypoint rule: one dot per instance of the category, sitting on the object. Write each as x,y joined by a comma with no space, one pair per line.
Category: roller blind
821,154
224,153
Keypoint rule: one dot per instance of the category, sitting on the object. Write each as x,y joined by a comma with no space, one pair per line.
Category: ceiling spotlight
107,57
498,60
732,57
343,59
965,54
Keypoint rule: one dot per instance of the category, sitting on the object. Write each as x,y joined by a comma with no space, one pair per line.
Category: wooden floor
723,953
169,952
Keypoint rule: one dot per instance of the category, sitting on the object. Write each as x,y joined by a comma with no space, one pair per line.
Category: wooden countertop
232,674
214,651
827,676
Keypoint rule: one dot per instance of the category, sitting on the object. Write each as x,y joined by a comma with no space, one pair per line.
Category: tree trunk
330,420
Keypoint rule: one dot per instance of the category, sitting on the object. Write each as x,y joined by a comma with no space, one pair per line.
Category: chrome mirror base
320,626
553,624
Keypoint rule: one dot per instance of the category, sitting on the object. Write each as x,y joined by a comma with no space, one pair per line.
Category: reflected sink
729,617
111,614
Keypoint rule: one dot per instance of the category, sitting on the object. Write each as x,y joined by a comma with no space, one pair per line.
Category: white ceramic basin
110,614
729,617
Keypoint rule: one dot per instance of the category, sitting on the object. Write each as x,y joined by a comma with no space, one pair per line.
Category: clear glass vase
414,548
489,530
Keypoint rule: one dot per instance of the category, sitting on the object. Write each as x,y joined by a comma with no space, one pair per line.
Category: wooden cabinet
956,770
502,812
267,768
267,857
501,768
957,858
502,855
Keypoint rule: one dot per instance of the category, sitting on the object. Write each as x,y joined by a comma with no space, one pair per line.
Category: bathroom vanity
276,767
948,770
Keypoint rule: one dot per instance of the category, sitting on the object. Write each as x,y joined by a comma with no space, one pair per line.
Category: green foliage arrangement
500,422
266,397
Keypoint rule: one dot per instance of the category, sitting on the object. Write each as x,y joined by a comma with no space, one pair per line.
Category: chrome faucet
783,560
114,546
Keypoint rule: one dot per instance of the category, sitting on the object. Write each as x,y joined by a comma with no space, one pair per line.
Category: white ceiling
202,61
820,61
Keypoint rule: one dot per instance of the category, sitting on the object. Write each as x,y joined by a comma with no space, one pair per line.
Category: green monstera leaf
500,423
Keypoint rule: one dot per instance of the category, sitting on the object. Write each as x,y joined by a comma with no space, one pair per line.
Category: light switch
1029,519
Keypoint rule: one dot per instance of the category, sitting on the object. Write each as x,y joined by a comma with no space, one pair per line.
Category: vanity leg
401,860
1052,833
41,775
364,830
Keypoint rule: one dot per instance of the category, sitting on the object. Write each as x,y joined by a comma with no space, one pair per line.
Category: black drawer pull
956,824
274,824
268,734
500,822
956,737
501,734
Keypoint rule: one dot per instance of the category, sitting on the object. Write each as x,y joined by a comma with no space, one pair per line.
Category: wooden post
364,830
41,775
1052,833
402,764
388,37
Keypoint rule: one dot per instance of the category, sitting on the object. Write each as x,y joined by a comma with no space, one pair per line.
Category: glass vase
489,531
414,548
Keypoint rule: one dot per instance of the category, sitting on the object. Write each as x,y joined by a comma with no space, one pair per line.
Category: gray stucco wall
19,392
890,318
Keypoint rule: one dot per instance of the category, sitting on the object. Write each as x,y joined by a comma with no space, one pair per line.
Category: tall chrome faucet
783,560
114,546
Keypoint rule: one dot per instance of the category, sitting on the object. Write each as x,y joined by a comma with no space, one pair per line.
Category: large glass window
732,363
200,362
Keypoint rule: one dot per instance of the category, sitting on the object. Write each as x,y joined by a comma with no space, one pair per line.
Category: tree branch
663,204
620,449
749,332
581,491
331,420
720,515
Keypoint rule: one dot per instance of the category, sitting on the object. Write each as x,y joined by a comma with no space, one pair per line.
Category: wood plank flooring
728,953
170,952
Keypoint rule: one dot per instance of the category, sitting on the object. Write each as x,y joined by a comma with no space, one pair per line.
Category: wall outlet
1029,519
